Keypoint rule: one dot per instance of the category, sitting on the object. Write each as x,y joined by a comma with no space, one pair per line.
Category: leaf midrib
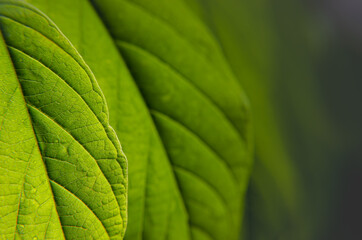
35,144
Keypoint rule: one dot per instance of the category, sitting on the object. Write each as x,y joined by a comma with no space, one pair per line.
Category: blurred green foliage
272,49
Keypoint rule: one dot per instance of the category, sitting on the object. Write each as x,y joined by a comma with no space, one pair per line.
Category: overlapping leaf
181,116
198,109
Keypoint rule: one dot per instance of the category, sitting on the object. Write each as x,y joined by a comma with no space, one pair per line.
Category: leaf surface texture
62,170
178,111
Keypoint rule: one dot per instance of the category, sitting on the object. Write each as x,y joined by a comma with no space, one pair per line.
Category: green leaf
181,116
198,109
273,71
62,170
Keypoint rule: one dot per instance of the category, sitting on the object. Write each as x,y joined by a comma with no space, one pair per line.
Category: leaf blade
156,206
69,119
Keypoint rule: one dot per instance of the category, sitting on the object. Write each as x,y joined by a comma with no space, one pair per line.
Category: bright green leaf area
62,171
177,109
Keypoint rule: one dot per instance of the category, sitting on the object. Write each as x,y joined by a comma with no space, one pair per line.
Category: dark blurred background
300,63
339,74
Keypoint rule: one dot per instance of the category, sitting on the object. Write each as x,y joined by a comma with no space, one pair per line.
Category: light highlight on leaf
62,171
